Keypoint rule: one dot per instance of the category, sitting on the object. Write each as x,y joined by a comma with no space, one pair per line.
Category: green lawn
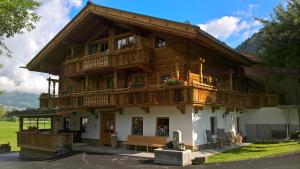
8,134
256,151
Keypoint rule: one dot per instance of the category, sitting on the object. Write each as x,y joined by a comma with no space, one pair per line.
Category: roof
42,113
251,57
185,30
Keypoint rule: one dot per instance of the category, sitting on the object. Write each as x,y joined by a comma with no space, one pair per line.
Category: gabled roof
179,29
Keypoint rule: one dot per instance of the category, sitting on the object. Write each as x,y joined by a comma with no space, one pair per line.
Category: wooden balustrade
48,101
44,141
96,62
97,100
131,57
73,67
108,60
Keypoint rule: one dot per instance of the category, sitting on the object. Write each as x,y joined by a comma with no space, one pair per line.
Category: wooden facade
107,58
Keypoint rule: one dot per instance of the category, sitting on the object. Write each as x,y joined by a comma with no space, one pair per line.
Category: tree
281,37
16,17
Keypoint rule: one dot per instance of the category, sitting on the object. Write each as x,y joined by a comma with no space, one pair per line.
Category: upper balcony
121,59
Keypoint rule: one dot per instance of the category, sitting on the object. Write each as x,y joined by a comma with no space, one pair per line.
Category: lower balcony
165,95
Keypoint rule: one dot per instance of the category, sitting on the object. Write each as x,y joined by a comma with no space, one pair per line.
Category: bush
170,144
295,135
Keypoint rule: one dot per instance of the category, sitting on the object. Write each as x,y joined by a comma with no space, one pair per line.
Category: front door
107,127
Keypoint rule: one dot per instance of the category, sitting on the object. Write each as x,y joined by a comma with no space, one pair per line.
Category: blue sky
215,16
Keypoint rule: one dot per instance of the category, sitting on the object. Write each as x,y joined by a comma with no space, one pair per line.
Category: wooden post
115,79
230,79
54,83
111,39
86,83
37,123
49,84
21,123
176,68
201,62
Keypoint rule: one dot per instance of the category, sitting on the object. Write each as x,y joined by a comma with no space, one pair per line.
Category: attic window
160,42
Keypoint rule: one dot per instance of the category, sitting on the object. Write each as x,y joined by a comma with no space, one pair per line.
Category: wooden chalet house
129,74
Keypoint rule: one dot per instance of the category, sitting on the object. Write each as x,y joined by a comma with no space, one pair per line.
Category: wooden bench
146,141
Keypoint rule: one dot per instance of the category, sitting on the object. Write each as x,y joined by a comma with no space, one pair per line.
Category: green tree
16,17
281,36
2,112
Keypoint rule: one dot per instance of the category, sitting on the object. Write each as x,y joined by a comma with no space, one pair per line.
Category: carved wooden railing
73,67
107,60
96,62
98,100
165,95
44,141
48,101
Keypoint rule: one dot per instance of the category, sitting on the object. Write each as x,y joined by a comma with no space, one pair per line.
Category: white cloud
224,27
240,25
54,15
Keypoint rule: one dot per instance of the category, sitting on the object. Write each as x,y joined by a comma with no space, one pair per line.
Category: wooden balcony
164,95
122,59
48,101
98,100
96,62
44,141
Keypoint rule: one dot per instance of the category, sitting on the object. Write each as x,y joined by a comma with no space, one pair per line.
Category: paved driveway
93,161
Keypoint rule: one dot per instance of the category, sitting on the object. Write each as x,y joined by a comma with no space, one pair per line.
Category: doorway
107,127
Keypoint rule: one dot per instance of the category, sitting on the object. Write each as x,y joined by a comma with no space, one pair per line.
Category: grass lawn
256,151
8,134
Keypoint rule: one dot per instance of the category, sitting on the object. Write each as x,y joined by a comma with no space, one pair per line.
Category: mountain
252,44
19,100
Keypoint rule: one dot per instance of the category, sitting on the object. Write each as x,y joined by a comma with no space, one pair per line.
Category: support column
86,83
115,79
111,39
49,84
21,123
176,68
201,62
54,84
230,79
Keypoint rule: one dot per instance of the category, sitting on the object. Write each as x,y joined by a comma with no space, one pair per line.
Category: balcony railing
44,141
48,101
108,60
164,95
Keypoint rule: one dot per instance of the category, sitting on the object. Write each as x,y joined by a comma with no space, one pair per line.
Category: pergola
35,113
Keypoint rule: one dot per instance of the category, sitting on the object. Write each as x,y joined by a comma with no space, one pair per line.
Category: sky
230,21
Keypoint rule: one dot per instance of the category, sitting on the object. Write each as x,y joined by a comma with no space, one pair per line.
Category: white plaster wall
93,125
271,115
201,122
177,121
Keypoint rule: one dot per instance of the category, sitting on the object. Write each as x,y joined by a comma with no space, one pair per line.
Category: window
126,42
109,82
83,123
137,126
238,121
164,77
160,42
162,126
213,125
92,49
137,80
103,47
67,123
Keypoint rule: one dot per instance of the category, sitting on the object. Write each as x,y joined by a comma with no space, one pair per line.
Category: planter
173,157
114,141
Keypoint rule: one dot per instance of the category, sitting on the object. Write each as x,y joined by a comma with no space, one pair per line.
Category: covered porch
38,137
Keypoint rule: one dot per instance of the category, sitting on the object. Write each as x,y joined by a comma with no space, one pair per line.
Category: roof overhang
90,11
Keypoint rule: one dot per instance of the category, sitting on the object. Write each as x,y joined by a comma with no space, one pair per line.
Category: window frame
83,124
167,131
140,126
156,44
